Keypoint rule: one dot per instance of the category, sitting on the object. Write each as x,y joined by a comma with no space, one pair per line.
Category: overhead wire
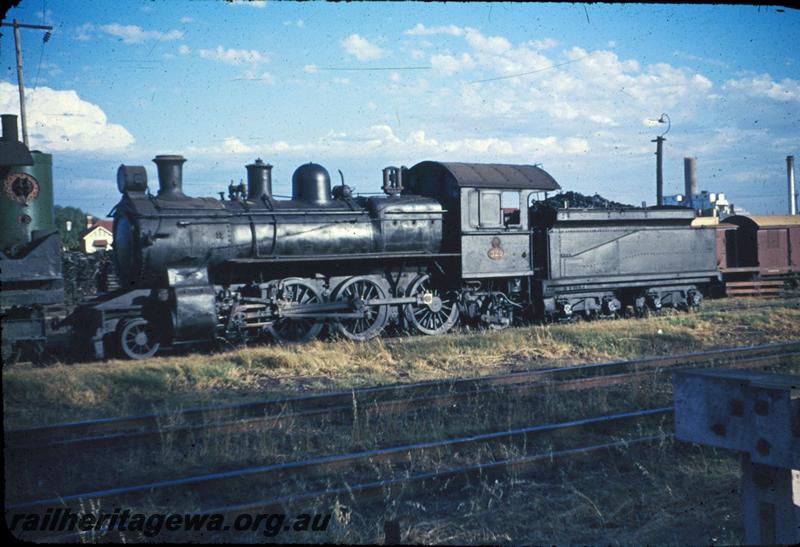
529,72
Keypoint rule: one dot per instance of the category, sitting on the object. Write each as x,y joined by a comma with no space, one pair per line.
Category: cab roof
490,175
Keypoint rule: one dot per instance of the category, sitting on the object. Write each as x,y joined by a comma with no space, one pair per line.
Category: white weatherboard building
97,236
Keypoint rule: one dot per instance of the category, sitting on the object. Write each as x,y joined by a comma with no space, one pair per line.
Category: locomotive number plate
496,252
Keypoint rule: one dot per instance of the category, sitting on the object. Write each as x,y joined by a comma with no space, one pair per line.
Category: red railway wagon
756,255
760,255
769,243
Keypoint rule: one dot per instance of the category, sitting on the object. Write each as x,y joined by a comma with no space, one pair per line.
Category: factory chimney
790,180
690,179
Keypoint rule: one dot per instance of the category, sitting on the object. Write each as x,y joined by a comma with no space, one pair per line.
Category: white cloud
707,60
264,77
592,88
184,49
299,23
449,64
493,45
233,145
186,20
250,3
546,43
311,69
361,48
421,30
233,56
381,140
60,121
46,17
83,33
764,86
133,34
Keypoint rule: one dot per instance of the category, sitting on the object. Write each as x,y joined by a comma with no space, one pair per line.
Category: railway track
784,302
343,474
209,486
133,430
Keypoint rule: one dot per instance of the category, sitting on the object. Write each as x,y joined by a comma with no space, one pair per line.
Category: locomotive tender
449,243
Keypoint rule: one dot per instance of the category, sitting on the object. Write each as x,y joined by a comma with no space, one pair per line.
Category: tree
70,239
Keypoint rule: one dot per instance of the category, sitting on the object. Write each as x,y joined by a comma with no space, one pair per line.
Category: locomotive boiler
172,231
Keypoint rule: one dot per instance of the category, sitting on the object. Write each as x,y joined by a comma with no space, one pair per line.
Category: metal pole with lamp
660,160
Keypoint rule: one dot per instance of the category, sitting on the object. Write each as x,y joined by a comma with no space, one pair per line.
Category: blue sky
358,86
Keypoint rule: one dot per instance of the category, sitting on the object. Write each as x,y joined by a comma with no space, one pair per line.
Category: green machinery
30,249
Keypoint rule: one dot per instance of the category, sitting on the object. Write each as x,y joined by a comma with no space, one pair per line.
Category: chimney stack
9,122
690,179
170,176
790,180
89,221
259,180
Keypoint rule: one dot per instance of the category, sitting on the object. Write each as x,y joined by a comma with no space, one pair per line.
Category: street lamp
660,159
666,121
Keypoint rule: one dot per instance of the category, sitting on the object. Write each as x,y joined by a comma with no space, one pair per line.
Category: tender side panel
610,250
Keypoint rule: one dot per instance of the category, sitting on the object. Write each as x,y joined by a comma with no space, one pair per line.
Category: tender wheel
435,314
136,339
358,291
288,330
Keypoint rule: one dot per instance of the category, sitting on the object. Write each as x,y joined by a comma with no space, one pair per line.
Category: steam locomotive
448,243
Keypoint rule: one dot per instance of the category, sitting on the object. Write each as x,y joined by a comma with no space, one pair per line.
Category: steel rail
324,464
438,475
96,430
396,405
374,489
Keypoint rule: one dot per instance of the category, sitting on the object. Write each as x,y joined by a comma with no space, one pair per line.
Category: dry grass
58,393
659,494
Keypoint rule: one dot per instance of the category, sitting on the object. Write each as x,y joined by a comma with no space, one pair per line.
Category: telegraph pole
20,80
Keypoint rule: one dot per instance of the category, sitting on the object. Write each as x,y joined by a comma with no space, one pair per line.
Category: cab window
510,202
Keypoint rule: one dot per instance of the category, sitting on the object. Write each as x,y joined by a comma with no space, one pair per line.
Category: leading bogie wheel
136,339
